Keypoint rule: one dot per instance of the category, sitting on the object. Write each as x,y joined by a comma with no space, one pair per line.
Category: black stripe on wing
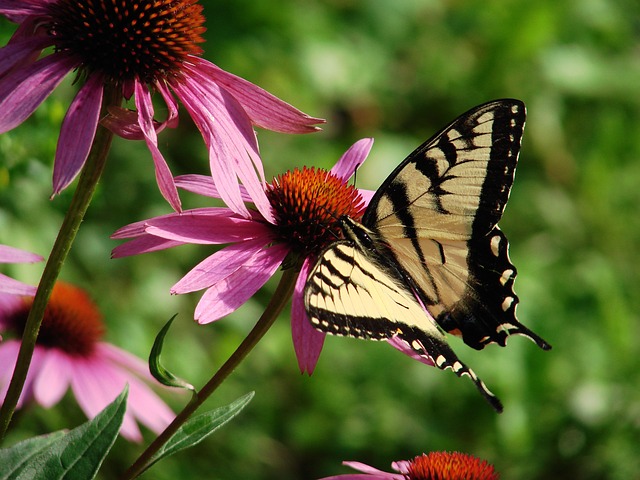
487,312
506,138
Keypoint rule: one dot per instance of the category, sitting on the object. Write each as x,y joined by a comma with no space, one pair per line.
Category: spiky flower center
127,39
72,322
450,466
307,204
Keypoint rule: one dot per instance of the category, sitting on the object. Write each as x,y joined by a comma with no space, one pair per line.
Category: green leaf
76,454
160,373
200,427
14,458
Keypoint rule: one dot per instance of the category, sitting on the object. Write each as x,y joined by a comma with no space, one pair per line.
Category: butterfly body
429,240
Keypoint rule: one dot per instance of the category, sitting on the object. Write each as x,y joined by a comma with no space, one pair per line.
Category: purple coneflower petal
8,355
143,403
15,52
95,384
206,229
124,122
137,229
264,109
307,341
233,149
402,346
54,378
218,266
204,185
163,174
221,159
18,10
23,90
15,287
15,255
124,359
352,159
229,294
145,244
77,133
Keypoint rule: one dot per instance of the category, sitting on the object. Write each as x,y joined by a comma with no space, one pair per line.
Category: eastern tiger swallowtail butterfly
429,239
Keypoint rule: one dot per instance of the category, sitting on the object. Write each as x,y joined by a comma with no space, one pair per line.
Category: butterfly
429,239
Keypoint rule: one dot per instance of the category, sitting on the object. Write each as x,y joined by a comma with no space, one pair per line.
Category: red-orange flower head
450,466
127,39
71,323
307,204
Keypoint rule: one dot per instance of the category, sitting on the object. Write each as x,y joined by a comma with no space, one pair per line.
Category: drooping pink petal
124,122
77,133
207,229
23,90
124,359
53,379
204,185
95,384
264,109
164,177
15,287
9,303
307,341
172,106
231,141
8,356
218,266
143,404
230,293
220,155
352,159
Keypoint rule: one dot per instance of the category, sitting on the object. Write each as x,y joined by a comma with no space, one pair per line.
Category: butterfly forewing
437,212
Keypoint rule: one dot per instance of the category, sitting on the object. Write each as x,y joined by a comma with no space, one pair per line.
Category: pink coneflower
432,466
69,353
15,255
138,47
304,204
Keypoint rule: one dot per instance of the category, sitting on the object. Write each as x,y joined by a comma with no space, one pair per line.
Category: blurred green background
397,71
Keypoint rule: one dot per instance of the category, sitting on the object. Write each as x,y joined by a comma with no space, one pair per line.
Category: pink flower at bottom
69,353
15,255
431,466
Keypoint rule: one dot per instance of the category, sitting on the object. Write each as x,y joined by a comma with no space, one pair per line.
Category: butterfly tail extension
445,358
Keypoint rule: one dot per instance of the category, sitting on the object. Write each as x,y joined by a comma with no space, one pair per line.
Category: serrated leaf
158,371
200,427
76,454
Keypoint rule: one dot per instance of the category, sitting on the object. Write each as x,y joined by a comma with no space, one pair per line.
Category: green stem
87,183
280,298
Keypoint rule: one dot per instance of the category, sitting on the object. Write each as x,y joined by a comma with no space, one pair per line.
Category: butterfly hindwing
355,293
